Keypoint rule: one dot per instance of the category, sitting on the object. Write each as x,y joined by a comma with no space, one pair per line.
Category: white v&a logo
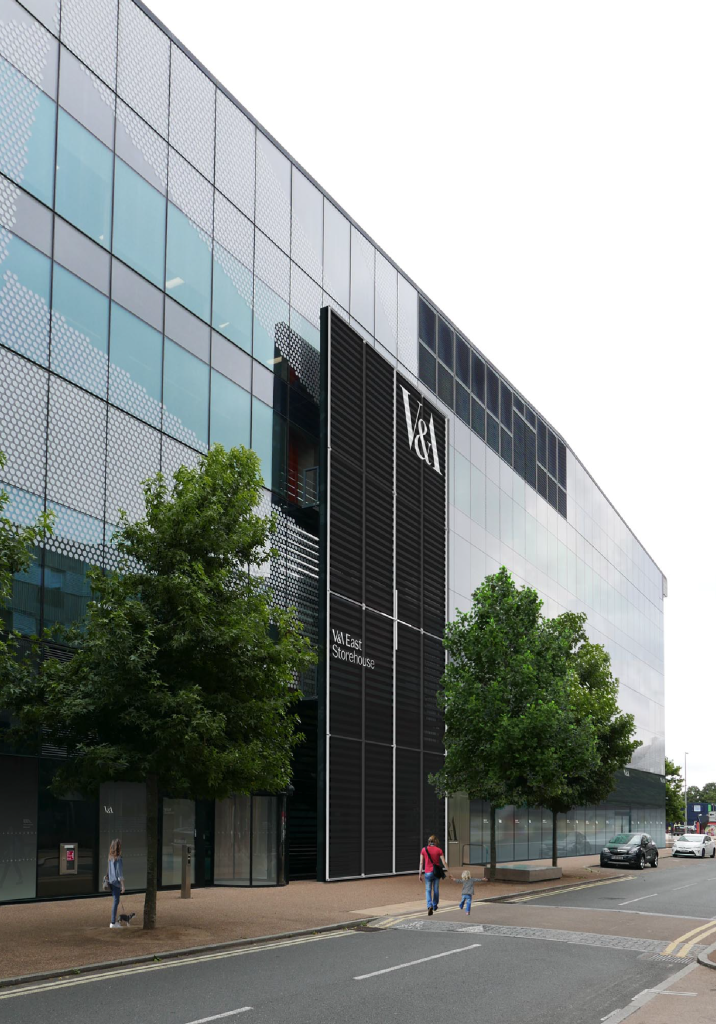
421,435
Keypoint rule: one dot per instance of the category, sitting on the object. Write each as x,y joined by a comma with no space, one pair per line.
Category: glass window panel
143,66
462,360
191,112
427,368
504,829
427,321
478,377
462,483
273,192
80,331
135,371
177,831
139,222
336,254
505,446
445,343
306,330
235,154
233,298
123,815
270,312
478,419
445,385
362,280
84,180
506,406
86,98
232,841
18,828
188,264
230,413
77,544
493,433
262,436
307,225
27,134
462,403
522,828
25,299
264,861
186,396
493,393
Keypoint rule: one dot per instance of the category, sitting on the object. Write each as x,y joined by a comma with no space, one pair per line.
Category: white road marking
639,898
672,993
412,963
684,886
220,1016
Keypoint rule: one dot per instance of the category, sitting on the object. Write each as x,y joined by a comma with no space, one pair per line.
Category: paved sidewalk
38,937
690,997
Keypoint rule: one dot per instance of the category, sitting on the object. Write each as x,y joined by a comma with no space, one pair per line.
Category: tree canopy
183,671
674,791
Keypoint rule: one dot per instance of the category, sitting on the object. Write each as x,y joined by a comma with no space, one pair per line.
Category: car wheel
703,852
674,854
655,862
713,853
641,862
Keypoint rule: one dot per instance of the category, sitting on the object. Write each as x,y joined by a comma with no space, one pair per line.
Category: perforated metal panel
89,29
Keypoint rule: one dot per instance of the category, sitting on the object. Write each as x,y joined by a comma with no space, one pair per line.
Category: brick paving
37,937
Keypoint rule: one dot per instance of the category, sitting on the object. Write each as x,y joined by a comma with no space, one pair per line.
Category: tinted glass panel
552,453
542,443
478,419
233,291
505,445
186,396
462,361
230,413
25,300
478,377
445,385
426,324
462,403
80,331
84,180
493,433
506,406
427,369
135,372
27,134
262,436
188,264
139,216
493,392
270,313
445,343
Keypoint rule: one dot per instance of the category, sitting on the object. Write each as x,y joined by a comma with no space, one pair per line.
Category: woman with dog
115,877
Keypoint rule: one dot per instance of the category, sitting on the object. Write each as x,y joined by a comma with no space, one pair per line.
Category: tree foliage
674,791
183,670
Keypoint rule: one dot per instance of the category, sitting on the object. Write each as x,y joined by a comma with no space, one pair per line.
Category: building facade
164,265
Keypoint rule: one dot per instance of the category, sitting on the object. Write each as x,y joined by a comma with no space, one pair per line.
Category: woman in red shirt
431,856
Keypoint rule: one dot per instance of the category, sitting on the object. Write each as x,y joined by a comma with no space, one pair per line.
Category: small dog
126,918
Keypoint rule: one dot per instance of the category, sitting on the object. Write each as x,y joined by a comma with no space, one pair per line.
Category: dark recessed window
478,419
552,492
518,453
530,417
445,343
493,433
462,361
426,324
519,405
505,445
462,402
562,463
541,444
426,367
541,482
445,385
562,502
506,406
552,454
530,457
493,393
478,377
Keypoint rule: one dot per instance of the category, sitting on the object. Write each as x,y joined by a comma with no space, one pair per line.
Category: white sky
546,172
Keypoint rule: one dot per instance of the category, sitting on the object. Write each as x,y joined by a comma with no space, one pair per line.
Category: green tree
708,793
674,791
693,795
485,695
16,555
183,671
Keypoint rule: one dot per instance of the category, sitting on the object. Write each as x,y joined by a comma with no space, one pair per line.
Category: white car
692,845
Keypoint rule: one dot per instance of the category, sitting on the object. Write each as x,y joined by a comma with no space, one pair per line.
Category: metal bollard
185,872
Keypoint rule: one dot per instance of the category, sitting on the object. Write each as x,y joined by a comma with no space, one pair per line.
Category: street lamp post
686,799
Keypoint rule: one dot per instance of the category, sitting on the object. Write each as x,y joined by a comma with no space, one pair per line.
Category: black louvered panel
433,668
378,832
407,810
346,392
518,404
552,454
518,452
433,574
541,482
303,807
378,645
530,417
379,583
433,805
345,782
346,529
493,393
562,464
542,443
530,457
407,560
407,687
346,676
379,397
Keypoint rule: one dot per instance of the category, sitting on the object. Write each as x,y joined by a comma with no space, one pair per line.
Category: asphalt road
357,977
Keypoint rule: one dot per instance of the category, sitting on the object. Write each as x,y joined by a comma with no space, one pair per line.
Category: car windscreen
691,839
625,839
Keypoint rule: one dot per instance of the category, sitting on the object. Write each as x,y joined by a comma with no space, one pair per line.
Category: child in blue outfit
468,889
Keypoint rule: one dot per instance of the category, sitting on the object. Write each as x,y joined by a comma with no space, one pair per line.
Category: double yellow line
694,936
572,888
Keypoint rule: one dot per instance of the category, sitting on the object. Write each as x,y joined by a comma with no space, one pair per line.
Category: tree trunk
150,898
493,842
554,839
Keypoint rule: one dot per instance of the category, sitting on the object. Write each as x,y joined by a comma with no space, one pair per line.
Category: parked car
691,845
632,849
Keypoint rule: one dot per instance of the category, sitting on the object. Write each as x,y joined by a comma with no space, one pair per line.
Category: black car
632,849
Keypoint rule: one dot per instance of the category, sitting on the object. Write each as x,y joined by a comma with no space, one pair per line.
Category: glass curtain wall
178,830
18,828
249,837
122,815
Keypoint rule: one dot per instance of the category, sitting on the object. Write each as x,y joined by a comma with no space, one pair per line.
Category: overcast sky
546,172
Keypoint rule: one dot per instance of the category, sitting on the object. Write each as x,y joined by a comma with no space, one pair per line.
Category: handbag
105,883
438,869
